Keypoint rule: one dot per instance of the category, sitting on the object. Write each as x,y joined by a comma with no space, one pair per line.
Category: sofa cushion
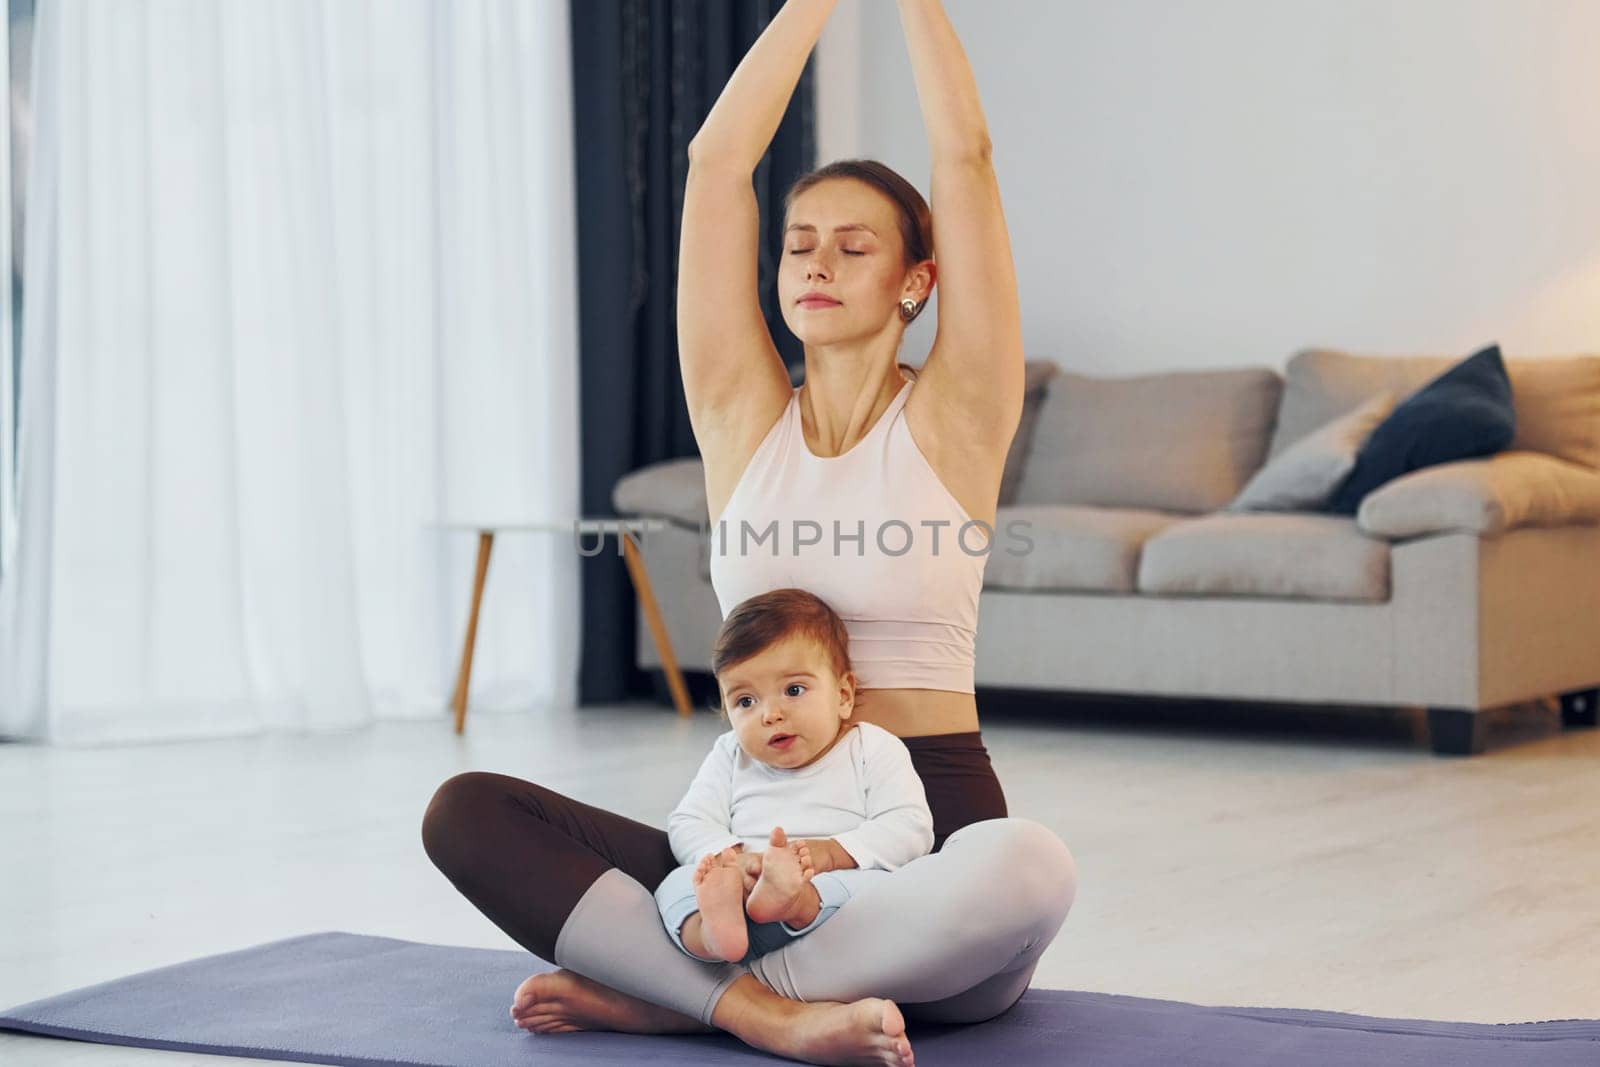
1306,474
1484,496
672,489
1037,375
1557,398
1184,441
1464,413
1281,554
1070,548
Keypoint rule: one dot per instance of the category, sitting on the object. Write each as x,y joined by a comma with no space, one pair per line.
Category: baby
795,807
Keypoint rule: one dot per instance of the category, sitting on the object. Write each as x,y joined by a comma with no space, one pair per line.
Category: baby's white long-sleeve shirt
864,793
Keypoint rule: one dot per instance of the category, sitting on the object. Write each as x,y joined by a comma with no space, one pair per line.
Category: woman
953,936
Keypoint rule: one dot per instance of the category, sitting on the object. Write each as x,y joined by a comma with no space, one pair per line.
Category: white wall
1218,183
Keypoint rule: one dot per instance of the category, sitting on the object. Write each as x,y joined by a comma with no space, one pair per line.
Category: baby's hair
762,621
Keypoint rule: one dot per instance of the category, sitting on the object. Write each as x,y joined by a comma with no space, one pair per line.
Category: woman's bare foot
719,891
563,1001
783,893
869,1031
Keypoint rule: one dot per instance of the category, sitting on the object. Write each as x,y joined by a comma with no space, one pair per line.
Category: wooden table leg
658,628
464,674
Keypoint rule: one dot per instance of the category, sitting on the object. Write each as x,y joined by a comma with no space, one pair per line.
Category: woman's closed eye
846,251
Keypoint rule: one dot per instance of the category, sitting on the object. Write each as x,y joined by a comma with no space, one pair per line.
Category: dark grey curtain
645,73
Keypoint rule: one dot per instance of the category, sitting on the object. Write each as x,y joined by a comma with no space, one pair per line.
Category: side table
637,573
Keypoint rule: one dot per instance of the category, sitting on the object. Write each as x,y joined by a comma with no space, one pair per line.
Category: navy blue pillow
1462,414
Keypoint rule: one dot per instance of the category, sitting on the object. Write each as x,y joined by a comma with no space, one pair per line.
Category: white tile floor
1318,858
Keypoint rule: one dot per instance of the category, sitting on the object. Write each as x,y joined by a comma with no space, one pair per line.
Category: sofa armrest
673,489
1483,496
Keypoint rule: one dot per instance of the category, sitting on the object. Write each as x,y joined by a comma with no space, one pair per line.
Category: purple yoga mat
350,999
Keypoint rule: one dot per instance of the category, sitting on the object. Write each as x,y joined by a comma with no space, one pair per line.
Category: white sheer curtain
299,281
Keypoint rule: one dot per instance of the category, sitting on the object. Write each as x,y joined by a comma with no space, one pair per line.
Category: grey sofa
1459,588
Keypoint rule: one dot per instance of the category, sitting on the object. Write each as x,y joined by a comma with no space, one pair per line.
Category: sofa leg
1579,706
1455,732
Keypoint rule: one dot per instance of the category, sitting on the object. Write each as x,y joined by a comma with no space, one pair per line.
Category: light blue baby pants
675,898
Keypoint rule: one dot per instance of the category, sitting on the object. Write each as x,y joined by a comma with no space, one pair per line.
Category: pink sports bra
873,532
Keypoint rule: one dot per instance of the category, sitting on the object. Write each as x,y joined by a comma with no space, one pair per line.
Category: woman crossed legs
943,937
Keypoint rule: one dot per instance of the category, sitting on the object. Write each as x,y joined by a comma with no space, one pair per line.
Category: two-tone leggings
953,936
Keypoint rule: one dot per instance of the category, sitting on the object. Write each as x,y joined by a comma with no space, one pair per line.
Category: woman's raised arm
740,126
725,350
976,364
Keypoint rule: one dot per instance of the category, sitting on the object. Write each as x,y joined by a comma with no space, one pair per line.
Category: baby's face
786,705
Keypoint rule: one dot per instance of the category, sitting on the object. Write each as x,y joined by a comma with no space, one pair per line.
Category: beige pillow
1306,474
1037,374
1183,441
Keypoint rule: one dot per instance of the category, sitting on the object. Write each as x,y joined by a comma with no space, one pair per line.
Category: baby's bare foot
562,1001
719,891
785,881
